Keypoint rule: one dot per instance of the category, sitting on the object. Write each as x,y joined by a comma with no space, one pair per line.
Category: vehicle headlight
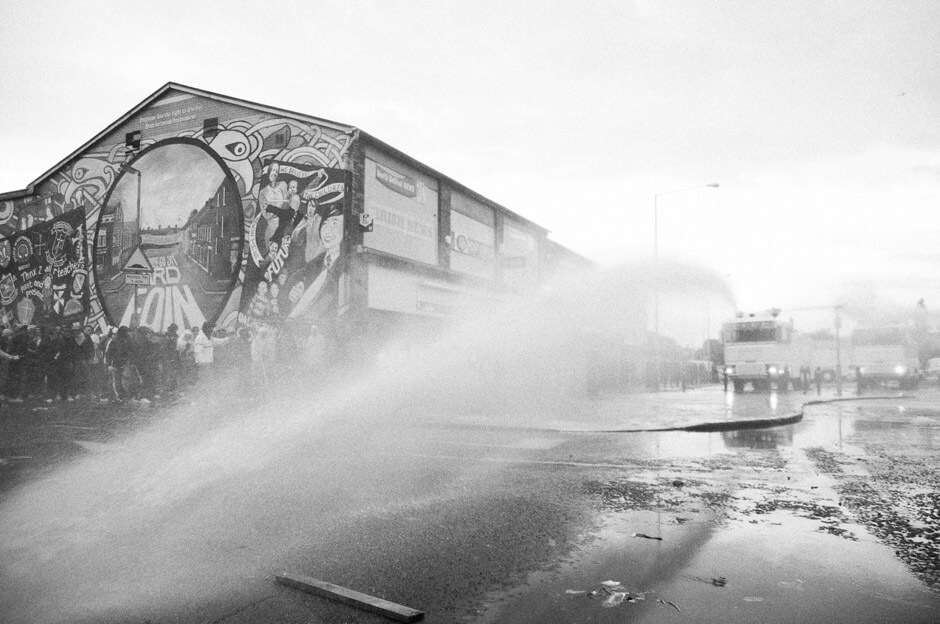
900,370
773,370
862,370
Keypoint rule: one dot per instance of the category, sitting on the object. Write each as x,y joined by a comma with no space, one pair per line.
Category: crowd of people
139,364
117,364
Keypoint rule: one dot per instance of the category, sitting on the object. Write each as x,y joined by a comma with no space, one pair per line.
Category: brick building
319,223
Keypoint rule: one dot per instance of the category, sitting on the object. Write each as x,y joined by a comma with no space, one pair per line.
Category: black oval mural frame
236,199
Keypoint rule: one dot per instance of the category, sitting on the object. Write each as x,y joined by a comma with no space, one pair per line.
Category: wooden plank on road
350,597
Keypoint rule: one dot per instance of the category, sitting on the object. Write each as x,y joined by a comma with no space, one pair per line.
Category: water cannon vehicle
759,352
885,356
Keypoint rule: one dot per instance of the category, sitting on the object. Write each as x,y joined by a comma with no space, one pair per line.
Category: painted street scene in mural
169,238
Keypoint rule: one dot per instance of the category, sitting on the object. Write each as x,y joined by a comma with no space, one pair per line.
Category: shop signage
395,181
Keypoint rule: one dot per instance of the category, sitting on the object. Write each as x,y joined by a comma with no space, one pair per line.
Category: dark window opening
210,128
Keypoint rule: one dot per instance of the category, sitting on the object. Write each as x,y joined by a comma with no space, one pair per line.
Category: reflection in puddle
758,438
824,425
748,533
768,571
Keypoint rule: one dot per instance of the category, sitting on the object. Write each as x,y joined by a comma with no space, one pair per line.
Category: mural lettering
44,280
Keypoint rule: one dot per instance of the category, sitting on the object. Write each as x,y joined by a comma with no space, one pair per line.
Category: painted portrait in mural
168,245
296,242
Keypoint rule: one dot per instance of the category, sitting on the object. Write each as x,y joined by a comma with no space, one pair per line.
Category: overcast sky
818,119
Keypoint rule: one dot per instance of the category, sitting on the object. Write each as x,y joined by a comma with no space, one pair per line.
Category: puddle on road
830,425
787,562
780,569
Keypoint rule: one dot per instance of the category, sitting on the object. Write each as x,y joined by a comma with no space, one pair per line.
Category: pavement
186,509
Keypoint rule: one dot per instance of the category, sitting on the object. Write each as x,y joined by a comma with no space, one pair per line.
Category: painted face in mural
296,292
331,233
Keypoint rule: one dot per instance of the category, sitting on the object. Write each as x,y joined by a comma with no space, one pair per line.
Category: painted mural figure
310,281
280,213
300,228
260,304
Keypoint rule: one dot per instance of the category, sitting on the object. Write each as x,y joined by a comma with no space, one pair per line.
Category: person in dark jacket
84,354
44,350
61,365
18,346
170,358
6,359
145,356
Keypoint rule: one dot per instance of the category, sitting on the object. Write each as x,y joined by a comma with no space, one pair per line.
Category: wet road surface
473,518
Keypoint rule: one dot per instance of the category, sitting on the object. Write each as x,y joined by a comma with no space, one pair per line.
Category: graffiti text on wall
43,273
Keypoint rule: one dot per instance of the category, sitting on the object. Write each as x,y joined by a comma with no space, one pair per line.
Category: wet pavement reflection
745,525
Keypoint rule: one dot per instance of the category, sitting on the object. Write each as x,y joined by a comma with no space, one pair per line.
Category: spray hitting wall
230,489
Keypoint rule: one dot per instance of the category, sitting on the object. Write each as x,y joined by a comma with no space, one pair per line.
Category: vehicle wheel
738,387
829,376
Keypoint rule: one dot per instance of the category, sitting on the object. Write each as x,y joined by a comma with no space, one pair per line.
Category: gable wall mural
201,210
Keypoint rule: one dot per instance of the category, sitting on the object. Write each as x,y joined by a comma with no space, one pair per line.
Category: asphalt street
185,510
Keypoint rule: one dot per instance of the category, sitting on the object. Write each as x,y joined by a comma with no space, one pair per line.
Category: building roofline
417,164
150,99
174,86
581,257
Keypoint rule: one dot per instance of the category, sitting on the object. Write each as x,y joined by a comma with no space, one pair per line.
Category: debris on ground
720,581
614,594
670,603
350,597
645,536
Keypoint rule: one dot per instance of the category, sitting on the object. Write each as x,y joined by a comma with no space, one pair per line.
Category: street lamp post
837,322
656,269
134,316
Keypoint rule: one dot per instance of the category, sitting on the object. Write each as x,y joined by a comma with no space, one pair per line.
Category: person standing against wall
204,351
170,358
118,358
84,354
61,362
6,361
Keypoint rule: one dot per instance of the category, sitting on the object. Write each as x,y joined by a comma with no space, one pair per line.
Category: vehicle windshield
763,331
